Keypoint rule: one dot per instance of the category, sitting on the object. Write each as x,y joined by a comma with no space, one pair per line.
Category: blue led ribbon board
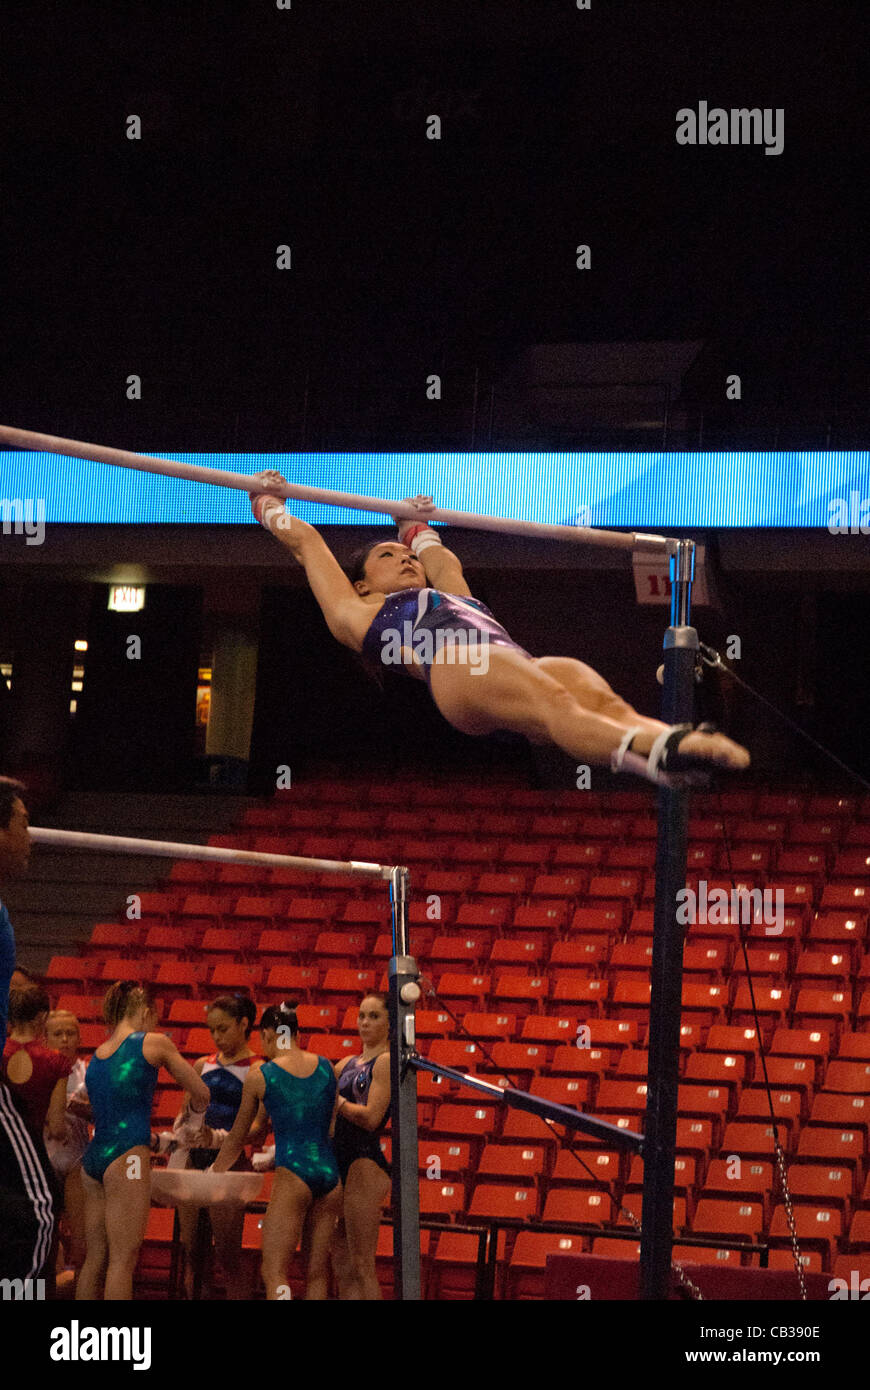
638,491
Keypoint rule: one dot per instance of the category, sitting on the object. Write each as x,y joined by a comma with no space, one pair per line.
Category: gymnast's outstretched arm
338,600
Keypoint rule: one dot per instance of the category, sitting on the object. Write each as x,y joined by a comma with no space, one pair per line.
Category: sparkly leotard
424,622
121,1092
224,1081
351,1142
300,1109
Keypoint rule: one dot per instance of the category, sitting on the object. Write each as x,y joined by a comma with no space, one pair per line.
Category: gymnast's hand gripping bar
221,477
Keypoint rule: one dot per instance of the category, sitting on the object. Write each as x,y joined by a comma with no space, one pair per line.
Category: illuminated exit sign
123,598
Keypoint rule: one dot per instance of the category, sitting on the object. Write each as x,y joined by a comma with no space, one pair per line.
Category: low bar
165,849
221,477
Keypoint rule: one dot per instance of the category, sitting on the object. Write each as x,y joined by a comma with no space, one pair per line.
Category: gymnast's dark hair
238,1006
281,1015
123,999
356,564
27,1004
11,791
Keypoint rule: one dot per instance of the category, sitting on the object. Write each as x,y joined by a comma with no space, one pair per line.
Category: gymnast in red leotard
480,680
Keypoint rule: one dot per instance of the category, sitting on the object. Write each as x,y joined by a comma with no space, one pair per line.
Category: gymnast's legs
557,700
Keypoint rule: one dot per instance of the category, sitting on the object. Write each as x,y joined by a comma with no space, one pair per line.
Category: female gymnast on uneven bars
415,587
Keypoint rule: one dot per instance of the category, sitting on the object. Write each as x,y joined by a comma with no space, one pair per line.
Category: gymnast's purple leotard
425,621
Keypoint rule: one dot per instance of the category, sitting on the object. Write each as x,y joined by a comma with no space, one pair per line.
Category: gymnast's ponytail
281,1015
123,999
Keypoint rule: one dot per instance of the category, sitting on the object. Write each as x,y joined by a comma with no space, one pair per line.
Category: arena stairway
55,907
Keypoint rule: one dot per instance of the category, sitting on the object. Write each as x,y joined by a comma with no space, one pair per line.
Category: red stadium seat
849,1078
341,949
571,854
345,987
203,909
225,945
116,937
581,953
746,1178
817,968
519,1061
585,1167
256,911
848,1112
135,970
528,1261
766,964
464,1121
188,1011
485,916
578,1204
740,1219
505,885
500,1027
633,1064
812,1222
838,928
290,982
576,987
565,1090
821,1184
725,1068
441,1199
627,1097
596,921
499,1202
176,979
73,970
317,1018
520,957
454,1265
333,1047
522,993
575,1061
835,1146
460,1055
854,1047
454,986
433,1023
859,1231
820,1008
236,977
845,896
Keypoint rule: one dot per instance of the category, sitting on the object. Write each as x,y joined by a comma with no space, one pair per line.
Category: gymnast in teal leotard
298,1090
300,1109
116,1169
121,1092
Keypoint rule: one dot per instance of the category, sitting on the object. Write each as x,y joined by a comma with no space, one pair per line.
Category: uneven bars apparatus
681,649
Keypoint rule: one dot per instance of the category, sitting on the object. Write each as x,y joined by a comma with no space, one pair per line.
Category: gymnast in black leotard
298,1090
362,1112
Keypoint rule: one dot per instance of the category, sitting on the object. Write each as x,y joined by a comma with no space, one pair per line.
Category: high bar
165,849
221,477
